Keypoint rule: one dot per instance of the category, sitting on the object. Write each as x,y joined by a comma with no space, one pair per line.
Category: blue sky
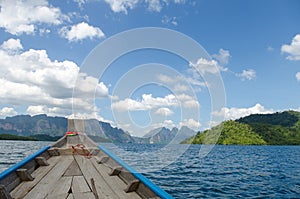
254,45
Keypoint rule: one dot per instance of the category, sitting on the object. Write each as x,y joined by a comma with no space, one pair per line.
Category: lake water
226,172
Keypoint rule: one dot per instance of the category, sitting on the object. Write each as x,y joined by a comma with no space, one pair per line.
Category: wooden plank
86,195
75,151
21,190
53,151
4,194
94,190
132,186
73,140
89,172
70,196
145,192
78,150
30,166
87,141
47,184
115,171
24,175
79,185
73,170
61,142
102,159
126,176
114,181
42,161
11,181
58,196
62,186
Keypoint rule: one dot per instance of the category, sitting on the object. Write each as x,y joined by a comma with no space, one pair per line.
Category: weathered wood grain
79,185
58,196
62,186
89,171
21,190
87,195
42,161
47,184
4,194
73,170
114,181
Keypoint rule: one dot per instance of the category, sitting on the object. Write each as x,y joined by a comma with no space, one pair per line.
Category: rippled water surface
226,172
12,152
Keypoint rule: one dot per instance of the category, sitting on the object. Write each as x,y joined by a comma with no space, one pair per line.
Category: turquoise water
226,172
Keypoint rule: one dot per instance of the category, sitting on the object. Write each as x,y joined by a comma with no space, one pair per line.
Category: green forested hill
16,137
276,129
258,129
231,132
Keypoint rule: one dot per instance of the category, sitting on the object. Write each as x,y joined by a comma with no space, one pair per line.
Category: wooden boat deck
75,168
72,176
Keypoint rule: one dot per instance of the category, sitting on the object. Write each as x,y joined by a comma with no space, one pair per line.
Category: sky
57,59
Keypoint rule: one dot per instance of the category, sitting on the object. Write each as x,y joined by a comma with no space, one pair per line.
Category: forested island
281,128
16,137
38,137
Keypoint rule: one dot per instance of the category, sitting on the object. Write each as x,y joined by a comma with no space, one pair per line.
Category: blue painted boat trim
22,163
156,189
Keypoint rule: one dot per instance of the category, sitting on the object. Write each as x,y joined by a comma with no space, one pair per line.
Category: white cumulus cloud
154,5
191,123
12,45
222,57
7,111
293,49
181,83
129,105
147,103
207,66
236,113
166,123
248,74
298,76
169,20
81,31
33,80
126,5
181,88
164,111
122,5
179,1
188,101
23,16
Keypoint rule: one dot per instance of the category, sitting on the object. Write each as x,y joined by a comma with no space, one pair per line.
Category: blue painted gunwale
156,189
13,168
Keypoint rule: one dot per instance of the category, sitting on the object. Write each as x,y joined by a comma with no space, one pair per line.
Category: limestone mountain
164,135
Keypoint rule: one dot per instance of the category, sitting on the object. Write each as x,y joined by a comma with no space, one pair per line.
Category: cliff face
164,136
43,125
26,125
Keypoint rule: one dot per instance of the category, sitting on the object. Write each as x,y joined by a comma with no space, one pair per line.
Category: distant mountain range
43,127
281,128
163,135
